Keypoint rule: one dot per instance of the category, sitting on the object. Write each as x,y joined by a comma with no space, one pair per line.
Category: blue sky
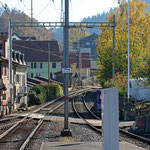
47,10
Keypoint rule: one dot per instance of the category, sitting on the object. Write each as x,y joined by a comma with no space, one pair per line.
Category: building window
41,65
51,75
34,65
5,70
93,43
31,65
88,43
53,65
17,78
1,47
38,74
31,75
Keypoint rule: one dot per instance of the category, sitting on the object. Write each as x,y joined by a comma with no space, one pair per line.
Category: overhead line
55,8
25,6
43,9
44,51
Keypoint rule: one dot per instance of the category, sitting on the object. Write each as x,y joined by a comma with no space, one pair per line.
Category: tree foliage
119,82
139,42
43,92
16,15
75,34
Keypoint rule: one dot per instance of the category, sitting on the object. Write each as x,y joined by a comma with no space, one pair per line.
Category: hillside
58,33
39,33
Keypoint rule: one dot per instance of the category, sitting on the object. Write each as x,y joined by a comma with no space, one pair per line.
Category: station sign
66,70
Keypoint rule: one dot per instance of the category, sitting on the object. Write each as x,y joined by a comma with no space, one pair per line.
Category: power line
55,8
40,50
71,9
25,6
43,9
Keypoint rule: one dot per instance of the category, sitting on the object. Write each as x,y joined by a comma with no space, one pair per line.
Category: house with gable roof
42,57
19,76
85,64
25,38
90,42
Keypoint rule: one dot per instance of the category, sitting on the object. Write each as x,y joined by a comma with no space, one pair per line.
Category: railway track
23,130
80,115
122,130
27,127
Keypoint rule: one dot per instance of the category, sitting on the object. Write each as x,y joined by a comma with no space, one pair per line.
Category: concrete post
110,119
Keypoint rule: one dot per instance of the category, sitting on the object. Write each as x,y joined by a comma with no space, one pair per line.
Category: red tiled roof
85,57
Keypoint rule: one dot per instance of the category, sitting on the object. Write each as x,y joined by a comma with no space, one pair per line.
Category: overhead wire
55,8
25,6
72,10
44,51
40,50
44,8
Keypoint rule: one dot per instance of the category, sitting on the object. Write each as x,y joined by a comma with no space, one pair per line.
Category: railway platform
84,146
95,122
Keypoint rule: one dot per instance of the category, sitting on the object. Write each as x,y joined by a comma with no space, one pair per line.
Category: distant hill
58,33
39,33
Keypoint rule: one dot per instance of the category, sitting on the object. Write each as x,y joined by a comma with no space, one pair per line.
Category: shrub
44,92
119,82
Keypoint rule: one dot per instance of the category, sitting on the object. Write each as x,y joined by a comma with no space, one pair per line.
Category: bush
44,92
119,82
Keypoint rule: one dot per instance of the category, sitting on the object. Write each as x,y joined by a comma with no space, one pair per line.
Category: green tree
139,43
75,34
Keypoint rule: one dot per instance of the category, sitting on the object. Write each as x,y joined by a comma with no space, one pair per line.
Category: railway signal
99,100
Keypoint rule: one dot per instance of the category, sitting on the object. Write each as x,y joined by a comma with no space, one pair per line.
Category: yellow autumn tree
139,42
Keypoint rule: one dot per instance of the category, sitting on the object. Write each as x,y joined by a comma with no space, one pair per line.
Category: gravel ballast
51,132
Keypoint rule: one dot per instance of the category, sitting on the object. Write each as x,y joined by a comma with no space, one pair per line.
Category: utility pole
31,11
66,131
113,71
79,63
62,12
128,50
10,67
48,63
